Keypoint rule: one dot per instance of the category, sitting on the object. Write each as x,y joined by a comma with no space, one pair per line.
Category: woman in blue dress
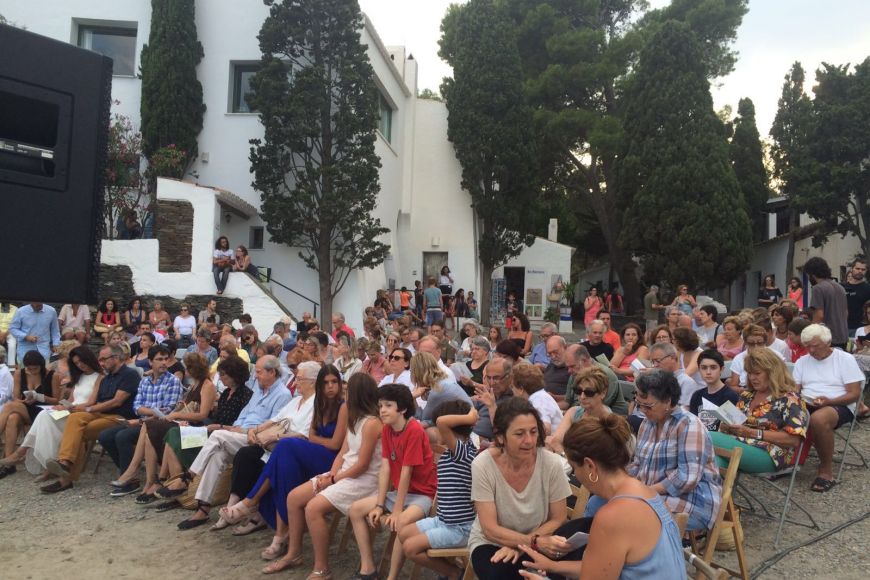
299,457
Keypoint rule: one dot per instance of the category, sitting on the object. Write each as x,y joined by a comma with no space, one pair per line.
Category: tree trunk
792,232
484,304
324,278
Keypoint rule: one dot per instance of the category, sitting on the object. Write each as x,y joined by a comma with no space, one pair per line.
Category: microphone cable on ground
770,562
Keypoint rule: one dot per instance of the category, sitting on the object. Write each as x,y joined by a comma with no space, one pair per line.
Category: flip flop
283,564
822,485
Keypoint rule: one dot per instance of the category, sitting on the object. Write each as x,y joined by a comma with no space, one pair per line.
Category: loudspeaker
55,100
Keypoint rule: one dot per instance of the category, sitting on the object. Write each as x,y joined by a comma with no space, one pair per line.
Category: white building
421,201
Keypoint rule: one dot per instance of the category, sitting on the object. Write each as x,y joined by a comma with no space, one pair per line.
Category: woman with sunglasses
184,325
398,368
591,385
674,452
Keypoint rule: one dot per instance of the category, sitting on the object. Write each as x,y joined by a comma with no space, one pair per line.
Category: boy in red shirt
408,467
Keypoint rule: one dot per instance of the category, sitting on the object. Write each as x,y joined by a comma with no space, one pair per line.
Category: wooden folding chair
582,497
702,568
460,554
728,518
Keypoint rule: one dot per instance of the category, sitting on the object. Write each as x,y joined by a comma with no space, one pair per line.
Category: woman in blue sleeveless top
632,535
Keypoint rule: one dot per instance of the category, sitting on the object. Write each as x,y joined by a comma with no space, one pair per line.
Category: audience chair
682,521
847,438
627,388
702,568
768,478
728,518
581,495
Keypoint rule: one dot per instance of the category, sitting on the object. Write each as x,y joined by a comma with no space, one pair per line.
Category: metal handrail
266,277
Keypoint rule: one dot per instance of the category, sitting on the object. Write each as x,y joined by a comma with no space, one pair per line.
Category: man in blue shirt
270,396
35,327
157,395
432,303
114,405
539,355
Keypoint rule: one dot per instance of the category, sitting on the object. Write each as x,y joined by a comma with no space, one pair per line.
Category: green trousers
753,460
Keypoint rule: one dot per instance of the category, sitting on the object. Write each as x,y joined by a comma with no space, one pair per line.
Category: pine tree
686,217
490,127
316,167
747,159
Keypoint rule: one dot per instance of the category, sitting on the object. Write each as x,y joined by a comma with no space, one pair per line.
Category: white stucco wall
142,257
542,260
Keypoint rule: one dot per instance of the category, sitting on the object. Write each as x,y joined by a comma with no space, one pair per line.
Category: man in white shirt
6,387
830,382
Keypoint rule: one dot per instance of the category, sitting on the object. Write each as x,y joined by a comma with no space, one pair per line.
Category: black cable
770,562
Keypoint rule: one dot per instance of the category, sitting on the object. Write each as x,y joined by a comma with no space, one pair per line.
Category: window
255,241
242,90
385,124
117,43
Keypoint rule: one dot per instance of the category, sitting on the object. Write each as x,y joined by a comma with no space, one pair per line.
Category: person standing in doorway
445,283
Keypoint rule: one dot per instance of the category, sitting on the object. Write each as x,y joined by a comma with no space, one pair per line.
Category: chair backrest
729,474
582,497
627,388
682,521
703,568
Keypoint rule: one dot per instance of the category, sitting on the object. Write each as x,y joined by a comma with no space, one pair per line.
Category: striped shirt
681,459
454,484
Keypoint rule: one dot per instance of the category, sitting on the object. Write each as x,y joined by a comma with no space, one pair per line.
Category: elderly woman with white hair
830,382
472,329
433,385
479,359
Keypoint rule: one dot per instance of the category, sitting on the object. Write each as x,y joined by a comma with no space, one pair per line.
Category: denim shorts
423,502
441,535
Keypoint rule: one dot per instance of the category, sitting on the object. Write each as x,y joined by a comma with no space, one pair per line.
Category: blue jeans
433,316
221,275
120,443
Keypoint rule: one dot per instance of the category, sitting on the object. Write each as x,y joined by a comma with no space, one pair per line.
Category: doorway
432,264
515,279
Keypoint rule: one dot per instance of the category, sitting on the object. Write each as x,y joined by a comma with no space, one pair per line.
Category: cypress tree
685,215
172,109
748,162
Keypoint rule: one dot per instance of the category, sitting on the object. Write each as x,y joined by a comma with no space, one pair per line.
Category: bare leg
151,467
251,502
14,424
296,501
138,456
170,460
397,559
822,423
10,409
315,518
357,514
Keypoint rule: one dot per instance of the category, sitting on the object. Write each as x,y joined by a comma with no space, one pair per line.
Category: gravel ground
83,533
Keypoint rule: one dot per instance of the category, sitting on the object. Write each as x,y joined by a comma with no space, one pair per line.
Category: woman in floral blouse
777,418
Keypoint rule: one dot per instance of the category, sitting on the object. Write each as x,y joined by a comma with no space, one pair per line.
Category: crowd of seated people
381,428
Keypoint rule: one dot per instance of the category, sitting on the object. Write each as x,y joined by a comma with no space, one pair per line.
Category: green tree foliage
577,56
686,216
839,193
747,159
316,167
172,109
490,127
430,95
790,153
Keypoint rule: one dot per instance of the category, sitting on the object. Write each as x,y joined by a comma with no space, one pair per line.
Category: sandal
249,527
822,485
219,525
275,549
283,564
237,512
320,575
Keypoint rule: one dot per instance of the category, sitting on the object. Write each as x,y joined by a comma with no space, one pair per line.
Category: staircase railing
266,278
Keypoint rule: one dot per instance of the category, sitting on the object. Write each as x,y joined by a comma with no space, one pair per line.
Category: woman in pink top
730,342
592,304
796,292
632,347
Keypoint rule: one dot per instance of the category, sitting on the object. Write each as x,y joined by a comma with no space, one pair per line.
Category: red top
344,328
108,318
410,447
797,350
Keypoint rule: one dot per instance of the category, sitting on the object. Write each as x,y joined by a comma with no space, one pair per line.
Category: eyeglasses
657,361
184,309
754,343
394,357
646,406
492,378
106,358
588,392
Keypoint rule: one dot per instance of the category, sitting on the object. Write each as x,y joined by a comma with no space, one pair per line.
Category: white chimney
553,230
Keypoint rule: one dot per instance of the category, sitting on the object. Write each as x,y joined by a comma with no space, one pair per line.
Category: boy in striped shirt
455,510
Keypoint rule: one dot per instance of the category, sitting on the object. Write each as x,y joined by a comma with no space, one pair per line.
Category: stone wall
117,282
174,229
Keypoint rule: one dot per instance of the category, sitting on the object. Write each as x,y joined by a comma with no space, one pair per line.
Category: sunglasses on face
589,393
395,357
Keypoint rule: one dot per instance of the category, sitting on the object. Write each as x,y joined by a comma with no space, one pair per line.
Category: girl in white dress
43,440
